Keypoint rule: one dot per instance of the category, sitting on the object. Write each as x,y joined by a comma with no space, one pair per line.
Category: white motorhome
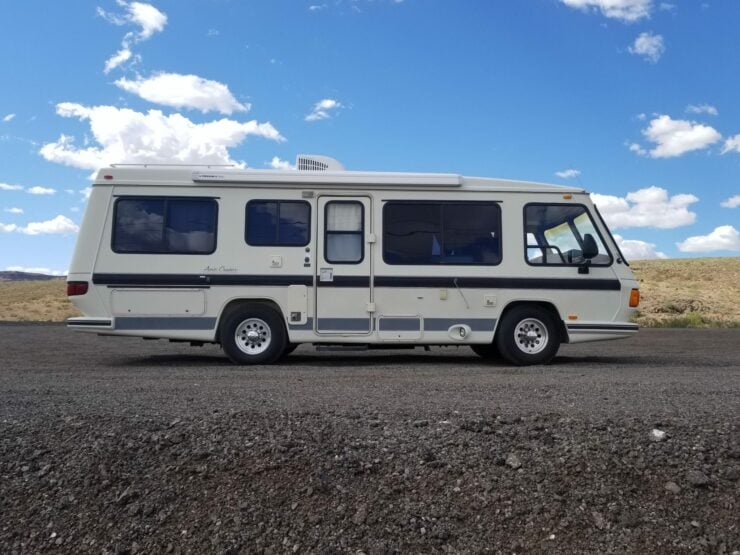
261,261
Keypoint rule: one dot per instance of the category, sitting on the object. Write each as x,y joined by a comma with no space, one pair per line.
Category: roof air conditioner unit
316,163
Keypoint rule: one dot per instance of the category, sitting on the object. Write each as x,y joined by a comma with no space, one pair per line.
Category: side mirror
590,248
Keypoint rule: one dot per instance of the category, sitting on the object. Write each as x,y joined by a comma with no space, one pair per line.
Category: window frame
564,264
361,233
441,203
165,199
278,202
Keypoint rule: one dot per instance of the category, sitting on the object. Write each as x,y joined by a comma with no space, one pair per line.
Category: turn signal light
75,288
634,298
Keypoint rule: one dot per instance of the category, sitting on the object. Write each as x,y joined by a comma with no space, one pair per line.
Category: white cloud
46,271
637,149
149,20
649,46
702,109
624,10
14,210
8,187
676,137
649,207
731,144
732,202
323,109
8,118
316,7
634,249
59,225
667,7
278,164
723,238
184,91
40,190
120,57
127,136
568,174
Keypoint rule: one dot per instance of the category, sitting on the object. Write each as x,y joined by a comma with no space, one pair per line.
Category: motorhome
261,261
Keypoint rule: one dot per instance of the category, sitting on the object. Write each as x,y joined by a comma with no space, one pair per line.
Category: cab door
343,266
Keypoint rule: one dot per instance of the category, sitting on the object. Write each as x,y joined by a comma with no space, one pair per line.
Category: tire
290,348
254,334
528,335
488,351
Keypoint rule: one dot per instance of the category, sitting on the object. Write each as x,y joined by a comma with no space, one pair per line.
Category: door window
555,235
343,237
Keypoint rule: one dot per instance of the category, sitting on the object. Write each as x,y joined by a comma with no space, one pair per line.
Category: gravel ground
118,445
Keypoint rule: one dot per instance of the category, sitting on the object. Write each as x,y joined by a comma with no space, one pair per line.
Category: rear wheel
528,335
254,334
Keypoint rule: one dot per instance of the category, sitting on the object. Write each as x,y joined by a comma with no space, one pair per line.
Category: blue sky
635,100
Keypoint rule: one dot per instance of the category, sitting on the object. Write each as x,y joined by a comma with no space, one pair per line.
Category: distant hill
26,276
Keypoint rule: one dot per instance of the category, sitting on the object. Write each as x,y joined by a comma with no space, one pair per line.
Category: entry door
343,265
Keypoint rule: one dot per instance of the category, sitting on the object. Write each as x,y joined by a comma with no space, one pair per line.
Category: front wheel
254,334
528,335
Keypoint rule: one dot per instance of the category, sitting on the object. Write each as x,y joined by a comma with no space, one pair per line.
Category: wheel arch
547,305
235,305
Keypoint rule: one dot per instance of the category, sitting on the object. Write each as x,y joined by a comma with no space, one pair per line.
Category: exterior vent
316,163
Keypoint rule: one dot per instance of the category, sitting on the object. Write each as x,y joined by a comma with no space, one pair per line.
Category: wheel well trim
232,304
543,303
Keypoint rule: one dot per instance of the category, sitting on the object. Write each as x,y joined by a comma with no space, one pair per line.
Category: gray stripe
344,324
443,324
612,331
164,323
302,327
391,323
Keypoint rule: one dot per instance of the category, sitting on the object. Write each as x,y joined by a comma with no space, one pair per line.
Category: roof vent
316,163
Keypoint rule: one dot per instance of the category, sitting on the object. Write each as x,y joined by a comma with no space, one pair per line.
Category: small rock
657,435
697,479
360,515
421,423
695,524
513,461
673,487
732,474
599,520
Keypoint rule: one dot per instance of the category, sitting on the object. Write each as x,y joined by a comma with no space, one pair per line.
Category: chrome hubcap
253,336
530,335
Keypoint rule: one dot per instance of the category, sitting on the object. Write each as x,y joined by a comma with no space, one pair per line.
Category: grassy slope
38,301
688,292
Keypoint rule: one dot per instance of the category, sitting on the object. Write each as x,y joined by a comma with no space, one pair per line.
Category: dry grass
700,292
689,293
35,301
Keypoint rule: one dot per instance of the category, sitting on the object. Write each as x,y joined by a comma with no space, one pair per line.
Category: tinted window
442,233
164,226
278,223
555,235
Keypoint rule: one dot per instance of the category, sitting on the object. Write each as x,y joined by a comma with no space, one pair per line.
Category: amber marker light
634,298
568,196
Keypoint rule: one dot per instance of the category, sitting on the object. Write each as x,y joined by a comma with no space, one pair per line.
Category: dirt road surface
119,445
